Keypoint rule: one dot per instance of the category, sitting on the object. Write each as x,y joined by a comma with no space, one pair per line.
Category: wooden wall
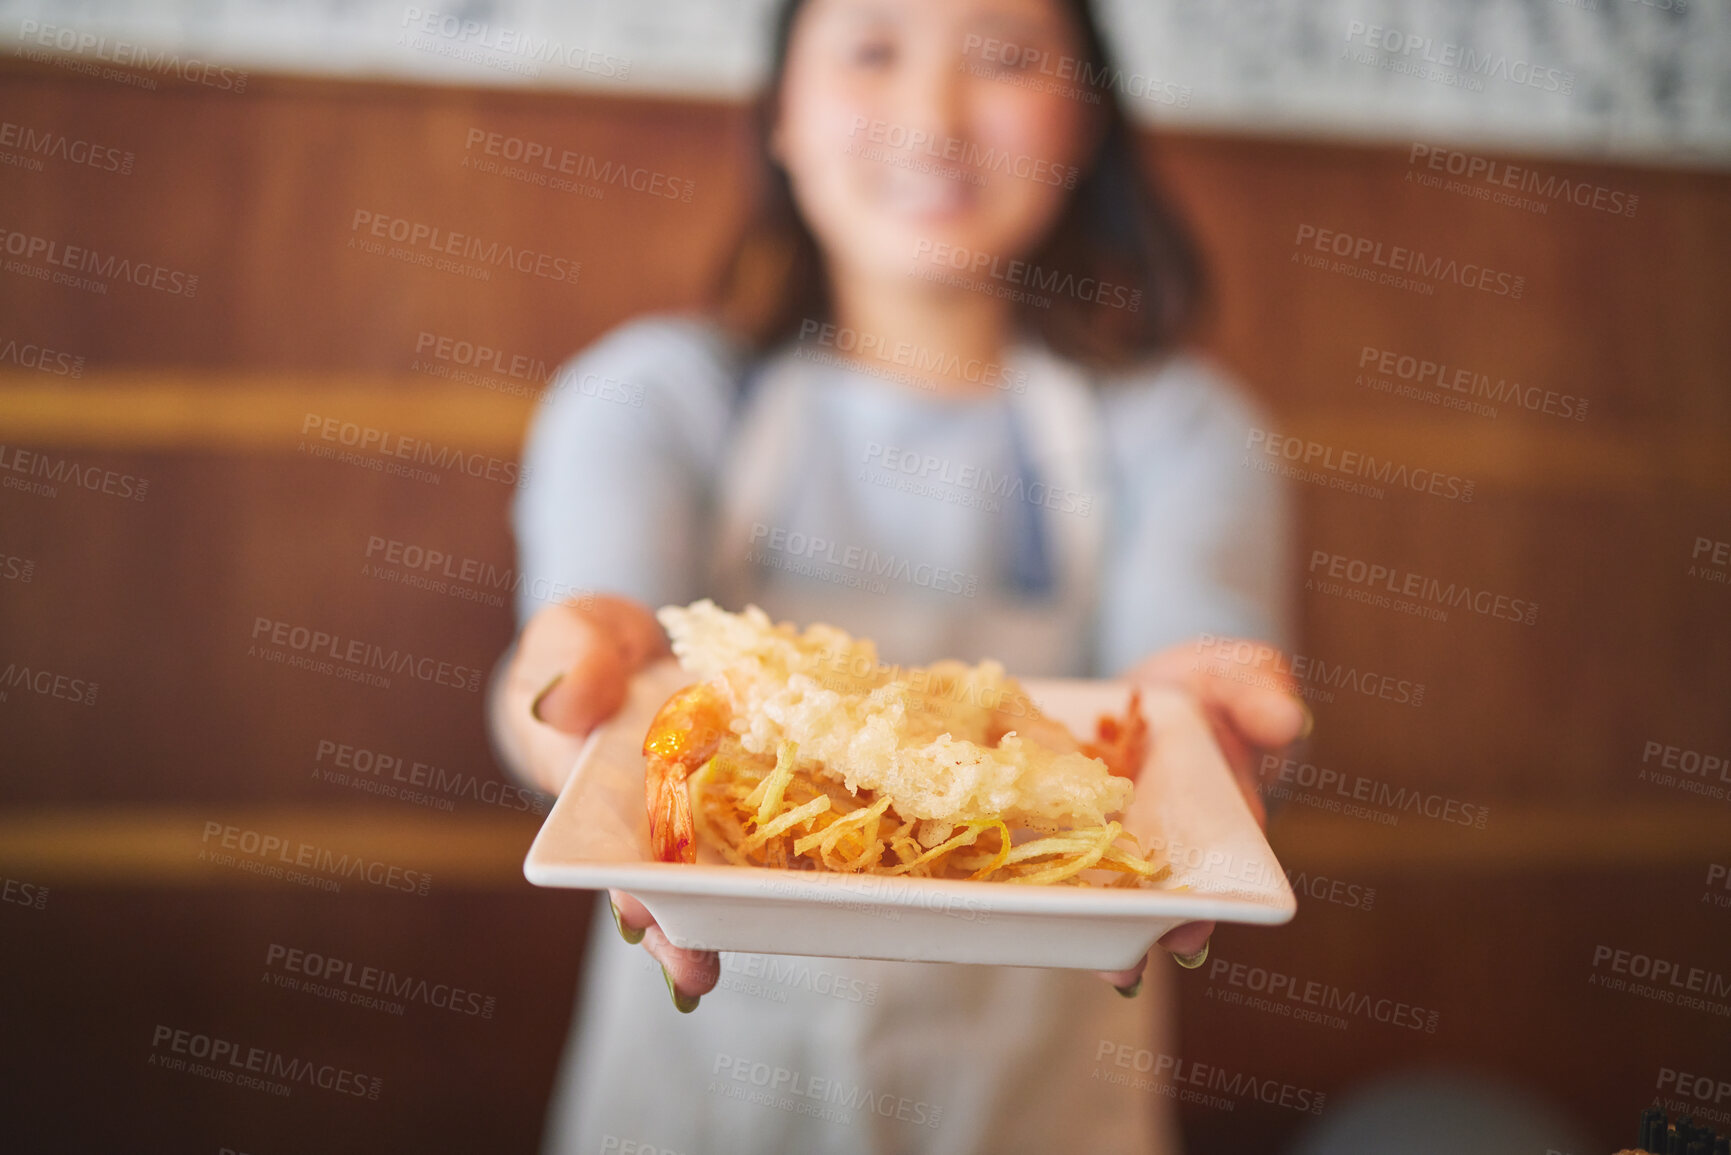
156,601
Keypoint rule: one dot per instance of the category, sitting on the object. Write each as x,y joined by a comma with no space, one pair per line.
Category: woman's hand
1248,720
569,674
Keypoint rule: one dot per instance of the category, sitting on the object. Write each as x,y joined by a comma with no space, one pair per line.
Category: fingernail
1191,961
535,706
684,1004
1309,722
631,936
1132,990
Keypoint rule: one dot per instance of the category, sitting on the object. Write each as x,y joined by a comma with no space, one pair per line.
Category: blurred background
194,804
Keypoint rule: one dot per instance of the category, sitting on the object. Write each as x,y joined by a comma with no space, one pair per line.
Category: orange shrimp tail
684,734
670,827
1122,743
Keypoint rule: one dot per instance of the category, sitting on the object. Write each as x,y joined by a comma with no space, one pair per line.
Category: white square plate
1186,806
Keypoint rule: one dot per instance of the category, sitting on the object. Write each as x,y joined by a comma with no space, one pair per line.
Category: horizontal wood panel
144,847
148,847
185,411
163,411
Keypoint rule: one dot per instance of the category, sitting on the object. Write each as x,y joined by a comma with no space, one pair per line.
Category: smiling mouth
929,195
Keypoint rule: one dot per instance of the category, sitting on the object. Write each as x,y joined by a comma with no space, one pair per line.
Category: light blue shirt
1063,526
629,467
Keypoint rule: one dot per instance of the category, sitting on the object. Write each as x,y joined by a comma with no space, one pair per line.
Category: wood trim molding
160,847
160,411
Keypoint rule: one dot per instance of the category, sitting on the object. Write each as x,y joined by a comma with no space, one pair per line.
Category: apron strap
1061,418
765,456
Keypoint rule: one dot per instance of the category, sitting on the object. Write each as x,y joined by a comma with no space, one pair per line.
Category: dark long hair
1116,228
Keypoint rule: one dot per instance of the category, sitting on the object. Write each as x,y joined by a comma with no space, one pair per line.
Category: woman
945,339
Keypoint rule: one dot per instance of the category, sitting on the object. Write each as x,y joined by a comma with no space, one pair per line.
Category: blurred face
913,128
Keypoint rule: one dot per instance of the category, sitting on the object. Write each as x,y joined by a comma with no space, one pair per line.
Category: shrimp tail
1121,743
670,825
685,733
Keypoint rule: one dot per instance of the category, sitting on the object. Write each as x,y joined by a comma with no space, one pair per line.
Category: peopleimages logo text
231,1059
1500,175
1462,57
162,61
1395,580
47,684
769,542
465,577
1679,976
1358,788
964,152
1019,62
273,848
413,773
797,1085
580,166
1010,486
461,32
40,358
111,268
1025,274
1276,985
46,142
905,354
57,471
1254,663
1189,1073
443,242
1400,259
387,444
364,655
379,981
1469,382
1352,463
1701,1088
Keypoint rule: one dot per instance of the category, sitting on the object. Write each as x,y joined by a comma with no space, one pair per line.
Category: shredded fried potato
755,812
800,750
